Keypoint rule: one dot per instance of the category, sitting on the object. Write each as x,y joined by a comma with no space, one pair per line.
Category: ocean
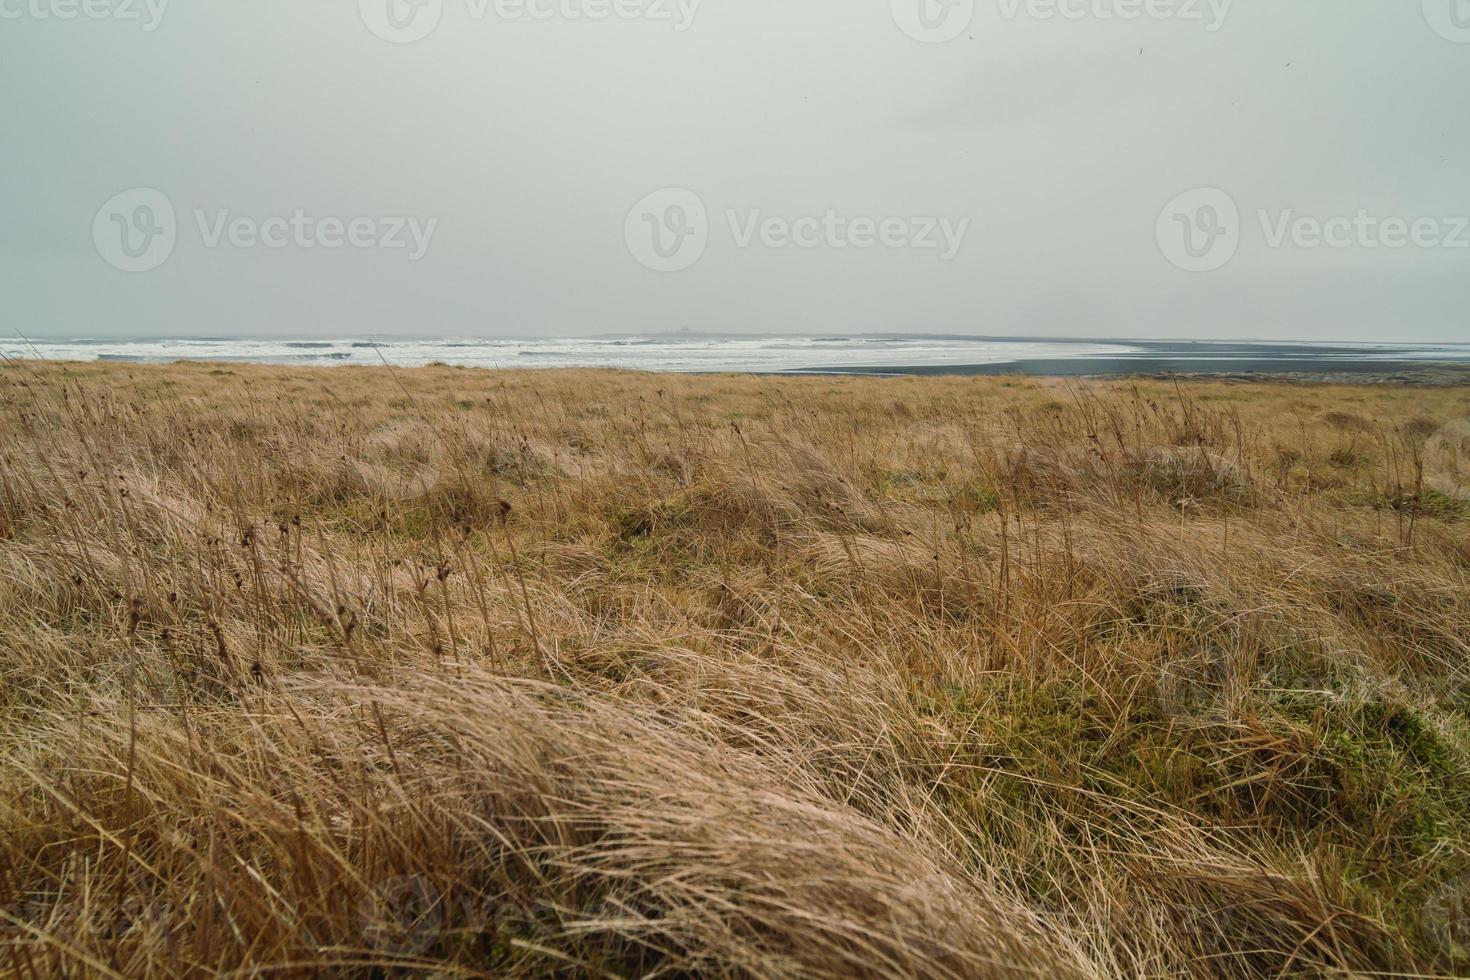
760,354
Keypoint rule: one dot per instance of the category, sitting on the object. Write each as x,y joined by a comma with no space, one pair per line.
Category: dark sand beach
1449,364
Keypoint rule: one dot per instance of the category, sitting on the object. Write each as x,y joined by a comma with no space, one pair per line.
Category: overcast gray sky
518,147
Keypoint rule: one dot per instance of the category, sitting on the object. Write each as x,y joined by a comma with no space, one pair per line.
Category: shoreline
1321,370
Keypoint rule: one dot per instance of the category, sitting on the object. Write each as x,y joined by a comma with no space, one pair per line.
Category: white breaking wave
676,353
696,353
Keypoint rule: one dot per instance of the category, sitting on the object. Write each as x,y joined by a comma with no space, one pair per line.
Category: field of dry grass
595,674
